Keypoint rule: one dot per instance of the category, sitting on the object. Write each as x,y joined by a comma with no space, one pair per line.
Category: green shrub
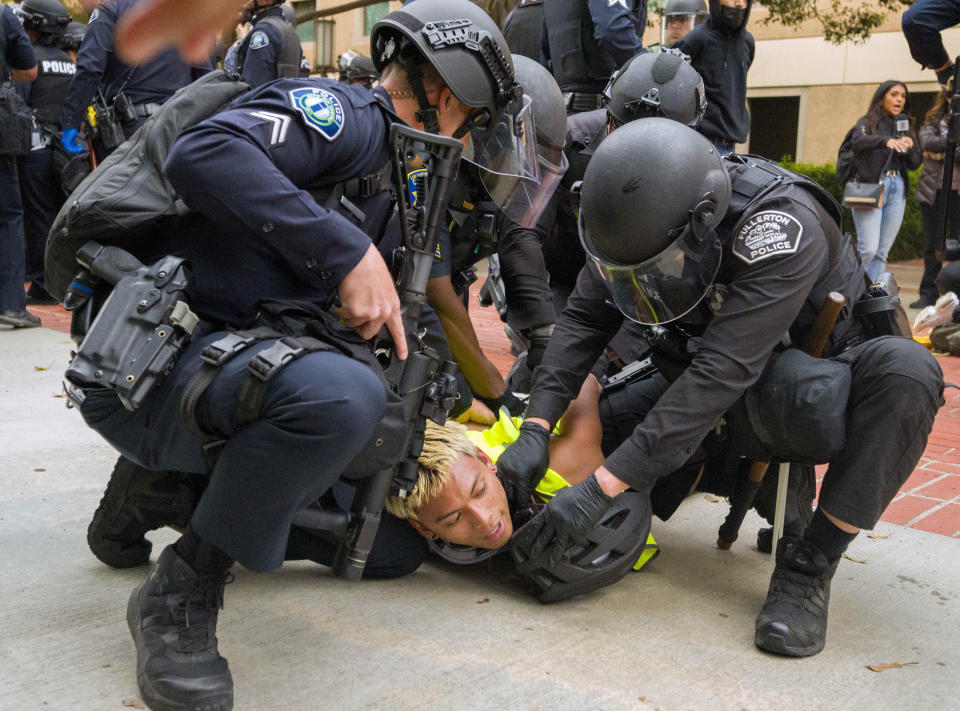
910,239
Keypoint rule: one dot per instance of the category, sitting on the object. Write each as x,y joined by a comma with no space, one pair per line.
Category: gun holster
141,328
108,127
880,310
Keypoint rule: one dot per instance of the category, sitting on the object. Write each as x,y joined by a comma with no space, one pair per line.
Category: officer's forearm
482,376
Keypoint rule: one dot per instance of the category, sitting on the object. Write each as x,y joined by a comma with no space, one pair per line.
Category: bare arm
482,376
25,74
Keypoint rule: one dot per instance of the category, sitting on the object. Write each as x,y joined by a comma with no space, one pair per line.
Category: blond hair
442,446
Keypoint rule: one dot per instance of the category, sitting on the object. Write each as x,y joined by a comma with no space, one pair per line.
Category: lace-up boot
173,619
793,621
138,500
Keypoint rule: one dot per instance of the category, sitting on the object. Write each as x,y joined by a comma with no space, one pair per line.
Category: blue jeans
11,238
877,229
922,23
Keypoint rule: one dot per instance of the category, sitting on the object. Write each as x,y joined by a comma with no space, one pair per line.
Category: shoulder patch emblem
767,234
259,40
94,15
320,110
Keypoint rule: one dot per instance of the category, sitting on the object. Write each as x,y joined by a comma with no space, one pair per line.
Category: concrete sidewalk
677,636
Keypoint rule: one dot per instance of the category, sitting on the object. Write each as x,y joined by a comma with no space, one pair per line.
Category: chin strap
427,115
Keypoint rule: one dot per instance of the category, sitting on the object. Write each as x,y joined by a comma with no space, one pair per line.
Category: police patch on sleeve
259,39
94,15
767,234
320,110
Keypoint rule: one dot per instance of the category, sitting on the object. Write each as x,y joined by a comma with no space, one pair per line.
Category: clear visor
675,26
510,170
665,287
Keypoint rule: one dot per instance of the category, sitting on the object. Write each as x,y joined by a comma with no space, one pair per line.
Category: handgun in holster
141,328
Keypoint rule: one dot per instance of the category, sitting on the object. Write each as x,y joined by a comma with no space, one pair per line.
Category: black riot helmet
471,56
72,37
355,68
651,199
679,17
611,549
550,120
48,18
656,84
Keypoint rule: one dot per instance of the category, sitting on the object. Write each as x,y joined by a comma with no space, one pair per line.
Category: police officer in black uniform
19,63
45,22
264,235
582,42
271,49
475,224
132,93
736,256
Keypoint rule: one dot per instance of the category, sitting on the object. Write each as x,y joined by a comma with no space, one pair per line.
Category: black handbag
859,195
865,195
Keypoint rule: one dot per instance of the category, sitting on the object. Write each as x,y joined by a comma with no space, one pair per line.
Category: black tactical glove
539,337
508,400
563,522
523,463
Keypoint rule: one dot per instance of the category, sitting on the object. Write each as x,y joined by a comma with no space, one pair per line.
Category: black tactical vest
522,29
55,70
577,60
288,58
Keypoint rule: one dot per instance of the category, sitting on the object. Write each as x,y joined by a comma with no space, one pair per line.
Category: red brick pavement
930,499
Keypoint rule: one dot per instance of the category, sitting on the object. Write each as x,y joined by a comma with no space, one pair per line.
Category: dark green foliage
841,21
910,240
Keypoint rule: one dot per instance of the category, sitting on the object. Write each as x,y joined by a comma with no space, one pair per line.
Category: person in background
584,41
19,63
357,69
71,39
144,86
921,25
722,50
679,18
886,148
930,197
271,49
45,22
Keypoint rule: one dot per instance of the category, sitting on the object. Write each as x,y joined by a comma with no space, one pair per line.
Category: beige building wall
834,83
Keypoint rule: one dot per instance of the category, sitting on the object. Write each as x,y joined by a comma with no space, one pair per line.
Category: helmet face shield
666,286
506,154
675,26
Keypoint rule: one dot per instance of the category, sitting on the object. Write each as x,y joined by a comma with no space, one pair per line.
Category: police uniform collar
386,103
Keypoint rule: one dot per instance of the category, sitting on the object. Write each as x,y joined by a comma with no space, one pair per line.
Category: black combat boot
173,619
136,501
793,621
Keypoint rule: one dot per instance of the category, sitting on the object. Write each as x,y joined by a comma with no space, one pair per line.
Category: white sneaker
937,315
